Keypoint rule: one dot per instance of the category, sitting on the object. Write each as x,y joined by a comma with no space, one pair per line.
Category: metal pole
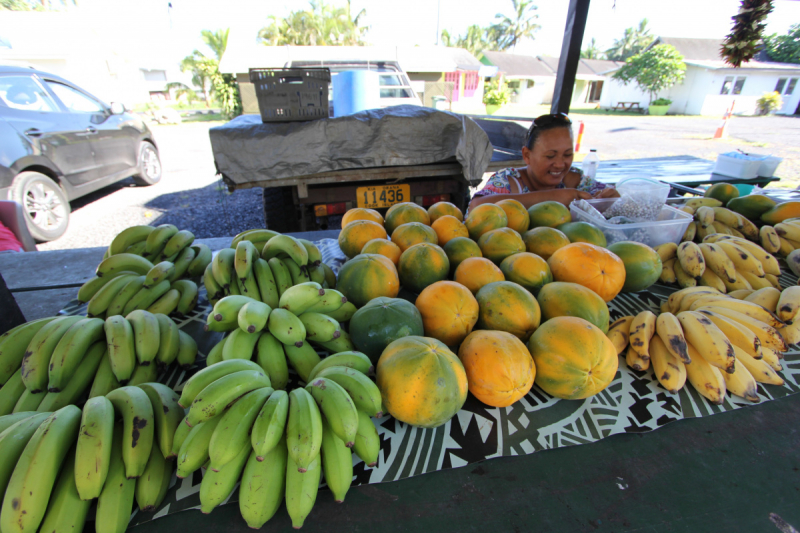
570,55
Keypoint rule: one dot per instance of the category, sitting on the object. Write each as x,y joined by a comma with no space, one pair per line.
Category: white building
711,85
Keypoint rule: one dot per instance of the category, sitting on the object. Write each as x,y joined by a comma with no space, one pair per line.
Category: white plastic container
590,164
769,166
670,225
738,167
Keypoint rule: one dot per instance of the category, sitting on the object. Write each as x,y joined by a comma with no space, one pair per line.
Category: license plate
383,195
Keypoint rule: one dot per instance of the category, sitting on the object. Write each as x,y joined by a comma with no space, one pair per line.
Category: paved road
191,197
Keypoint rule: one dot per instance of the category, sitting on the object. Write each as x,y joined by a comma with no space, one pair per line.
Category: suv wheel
44,203
149,165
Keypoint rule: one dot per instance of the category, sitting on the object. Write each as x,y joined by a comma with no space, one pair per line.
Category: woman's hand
608,192
566,196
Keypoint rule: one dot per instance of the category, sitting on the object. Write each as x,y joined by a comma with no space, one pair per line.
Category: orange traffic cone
721,130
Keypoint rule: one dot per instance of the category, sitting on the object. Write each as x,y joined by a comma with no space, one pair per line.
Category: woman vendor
548,174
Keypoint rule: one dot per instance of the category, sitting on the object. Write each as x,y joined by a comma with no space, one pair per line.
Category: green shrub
768,103
661,101
497,94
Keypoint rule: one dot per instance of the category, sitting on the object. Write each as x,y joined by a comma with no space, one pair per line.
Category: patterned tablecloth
633,403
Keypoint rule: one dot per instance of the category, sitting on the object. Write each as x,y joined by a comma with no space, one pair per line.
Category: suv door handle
33,132
91,129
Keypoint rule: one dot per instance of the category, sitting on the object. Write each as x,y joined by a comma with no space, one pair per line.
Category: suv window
76,101
25,93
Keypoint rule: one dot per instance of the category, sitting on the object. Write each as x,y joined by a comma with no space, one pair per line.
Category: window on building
780,85
790,87
738,85
530,84
726,85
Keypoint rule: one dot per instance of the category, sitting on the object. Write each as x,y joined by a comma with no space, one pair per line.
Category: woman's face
551,158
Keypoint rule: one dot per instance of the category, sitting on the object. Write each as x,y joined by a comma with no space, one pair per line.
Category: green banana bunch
188,295
146,297
202,259
93,449
298,273
222,267
158,238
138,427
330,301
217,485
254,235
298,298
104,380
303,358
301,488
303,429
285,246
245,255
178,242
128,237
281,274
286,327
354,360
338,408
368,443
13,441
187,350
120,301
337,463
269,426
253,316
363,391
14,343
11,392
209,375
151,486
66,510
71,349
168,414
194,449
319,327
271,357
267,287
123,263
116,499
240,345
169,339
233,432
121,347
102,299
146,335
88,290
263,485
78,383
35,473
218,395
36,361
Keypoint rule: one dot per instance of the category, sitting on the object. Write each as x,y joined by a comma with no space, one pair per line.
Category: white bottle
590,164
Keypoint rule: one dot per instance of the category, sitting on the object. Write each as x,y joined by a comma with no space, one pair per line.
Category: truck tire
280,213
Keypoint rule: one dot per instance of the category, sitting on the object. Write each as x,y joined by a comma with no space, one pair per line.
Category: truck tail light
323,210
433,198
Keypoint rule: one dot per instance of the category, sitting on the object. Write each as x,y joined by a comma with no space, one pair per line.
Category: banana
704,231
209,375
344,313
213,289
788,231
739,284
249,285
233,432
786,247
214,355
314,255
772,358
718,262
187,349
340,344
724,229
158,273
775,281
768,262
138,421
182,262
14,343
769,336
268,289
337,406
178,242
702,333
299,274
168,414
303,429
790,333
691,231
13,441
789,304
146,335
129,237
6,421
93,448
359,361
37,357
769,239
727,217
687,209
337,463
268,427
102,299
88,290
742,384
286,327
146,297
696,203
254,235
117,305
692,302
669,369
35,473
218,395
181,432
263,486
123,262
287,245
317,274
368,443
194,449
793,262
768,298
760,370
302,358
362,390
330,276
710,279
750,309
217,485
139,249
202,258
642,329
705,378
222,267
668,271
243,259
299,298
143,374
320,327
157,240
29,401
670,332
227,309
152,485
271,357
240,345
79,382
755,282
169,339
742,259
690,259
302,485
213,324
121,347
104,380
704,215
329,302
741,294
675,299
684,279
748,229
116,499
281,274
66,512
739,335
253,316
167,304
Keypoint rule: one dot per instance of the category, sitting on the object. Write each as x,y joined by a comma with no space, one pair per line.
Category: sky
415,22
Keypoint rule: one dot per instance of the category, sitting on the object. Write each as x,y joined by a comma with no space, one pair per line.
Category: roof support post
570,55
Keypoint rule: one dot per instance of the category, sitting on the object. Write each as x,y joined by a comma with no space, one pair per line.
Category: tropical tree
657,69
633,41
322,25
592,52
476,40
784,48
506,32
206,75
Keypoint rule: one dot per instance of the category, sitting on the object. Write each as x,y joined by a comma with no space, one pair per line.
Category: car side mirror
117,108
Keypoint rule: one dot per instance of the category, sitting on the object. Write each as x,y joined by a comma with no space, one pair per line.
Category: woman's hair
544,123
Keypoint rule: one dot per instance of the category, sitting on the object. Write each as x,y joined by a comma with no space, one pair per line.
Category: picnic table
627,106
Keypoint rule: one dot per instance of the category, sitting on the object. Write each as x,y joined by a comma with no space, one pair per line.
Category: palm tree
633,41
323,25
200,65
591,51
507,32
475,41
217,41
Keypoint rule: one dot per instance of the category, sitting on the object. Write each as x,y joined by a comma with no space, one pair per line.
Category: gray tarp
247,150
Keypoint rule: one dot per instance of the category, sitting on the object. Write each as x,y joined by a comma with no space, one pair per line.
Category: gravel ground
191,196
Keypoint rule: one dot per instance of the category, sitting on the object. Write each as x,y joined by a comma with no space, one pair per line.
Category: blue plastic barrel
354,91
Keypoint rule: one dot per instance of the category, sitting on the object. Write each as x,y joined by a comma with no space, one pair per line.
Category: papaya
724,192
527,269
383,247
483,218
500,243
583,232
368,276
411,233
382,321
781,212
440,209
518,218
642,264
447,228
361,213
459,249
508,306
357,233
561,298
549,214
449,311
475,272
592,266
421,265
751,206
544,241
405,212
